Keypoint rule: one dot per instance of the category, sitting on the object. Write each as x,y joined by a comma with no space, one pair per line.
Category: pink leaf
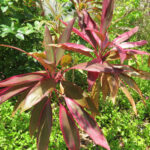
85,21
94,67
92,76
123,37
63,39
22,78
9,92
79,33
132,44
69,129
87,123
107,13
77,48
38,92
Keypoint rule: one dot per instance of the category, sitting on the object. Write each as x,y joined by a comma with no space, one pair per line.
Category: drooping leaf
35,115
9,92
38,92
132,84
49,50
69,129
63,39
113,86
21,79
87,123
92,76
20,101
128,95
107,13
123,37
95,95
105,85
44,128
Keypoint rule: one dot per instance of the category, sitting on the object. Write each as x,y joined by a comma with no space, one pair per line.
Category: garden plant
106,73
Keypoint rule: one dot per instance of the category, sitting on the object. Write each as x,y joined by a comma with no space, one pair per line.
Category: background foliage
19,26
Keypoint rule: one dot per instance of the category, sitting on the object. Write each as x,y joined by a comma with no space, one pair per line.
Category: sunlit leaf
38,92
63,39
49,50
87,123
107,13
69,129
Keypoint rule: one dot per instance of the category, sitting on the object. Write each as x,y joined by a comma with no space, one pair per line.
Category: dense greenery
121,127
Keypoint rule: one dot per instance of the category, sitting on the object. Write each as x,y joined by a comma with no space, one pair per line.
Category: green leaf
20,36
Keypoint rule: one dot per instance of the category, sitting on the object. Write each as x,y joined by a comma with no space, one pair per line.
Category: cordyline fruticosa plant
103,69
38,88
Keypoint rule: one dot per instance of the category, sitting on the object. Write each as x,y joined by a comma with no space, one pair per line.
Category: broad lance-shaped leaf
22,79
49,50
38,92
128,95
94,67
105,85
113,86
123,37
69,129
85,21
132,84
107,13
76,48
75,92
86,122
63,39
79,33
9,92
132,44
35,115
44,128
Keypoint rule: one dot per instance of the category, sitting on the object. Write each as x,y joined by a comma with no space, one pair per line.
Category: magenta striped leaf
136,51
85,21
63,39
77,48
49,50
79,33
92,77
123,37
87,123
132,44
107,13
35,115
21,79
44,126
94,67
38,92
69,129
9,92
